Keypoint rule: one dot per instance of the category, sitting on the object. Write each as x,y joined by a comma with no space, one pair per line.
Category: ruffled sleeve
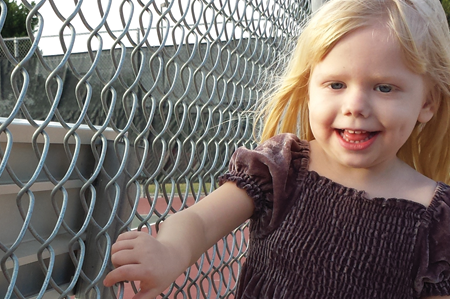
433,247
270,175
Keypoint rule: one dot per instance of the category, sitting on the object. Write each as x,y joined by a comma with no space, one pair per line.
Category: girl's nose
356,104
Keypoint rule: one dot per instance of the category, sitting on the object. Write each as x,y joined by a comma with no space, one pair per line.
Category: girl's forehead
378,31
370,51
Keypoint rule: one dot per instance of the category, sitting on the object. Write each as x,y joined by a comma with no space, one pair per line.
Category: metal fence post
16,47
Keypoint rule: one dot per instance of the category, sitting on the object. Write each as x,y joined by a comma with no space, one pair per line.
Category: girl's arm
183,237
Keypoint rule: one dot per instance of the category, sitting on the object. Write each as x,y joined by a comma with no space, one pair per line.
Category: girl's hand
182,238
137,256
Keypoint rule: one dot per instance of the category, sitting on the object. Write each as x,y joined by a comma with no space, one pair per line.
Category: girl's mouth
356,139
356,136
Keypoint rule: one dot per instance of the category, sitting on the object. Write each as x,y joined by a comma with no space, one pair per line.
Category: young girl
359,210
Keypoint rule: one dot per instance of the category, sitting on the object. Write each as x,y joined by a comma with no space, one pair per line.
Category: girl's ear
427,111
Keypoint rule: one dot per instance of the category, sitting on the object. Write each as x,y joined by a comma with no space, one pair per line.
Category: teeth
354,132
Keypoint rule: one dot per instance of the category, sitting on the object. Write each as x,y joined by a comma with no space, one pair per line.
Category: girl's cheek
323,113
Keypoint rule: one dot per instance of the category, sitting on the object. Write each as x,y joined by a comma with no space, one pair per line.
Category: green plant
446,6
15,23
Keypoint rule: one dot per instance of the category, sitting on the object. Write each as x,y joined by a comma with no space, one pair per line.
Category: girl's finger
131,272
123,257
122,245
129,235
128,240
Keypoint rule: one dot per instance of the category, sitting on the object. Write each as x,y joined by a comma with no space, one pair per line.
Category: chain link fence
18,47
132,128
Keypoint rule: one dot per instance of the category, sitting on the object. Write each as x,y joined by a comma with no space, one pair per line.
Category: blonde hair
422,31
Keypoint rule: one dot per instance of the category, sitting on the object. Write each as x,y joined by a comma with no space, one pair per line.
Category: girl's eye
336,85
384,88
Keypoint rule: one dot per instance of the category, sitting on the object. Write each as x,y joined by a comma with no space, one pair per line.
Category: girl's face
364,101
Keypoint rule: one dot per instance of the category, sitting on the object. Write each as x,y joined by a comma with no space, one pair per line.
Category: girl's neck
395,179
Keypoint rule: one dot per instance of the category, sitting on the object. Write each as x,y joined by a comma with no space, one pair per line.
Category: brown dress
313,238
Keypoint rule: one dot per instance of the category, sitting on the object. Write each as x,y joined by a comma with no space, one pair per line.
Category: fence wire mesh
127,114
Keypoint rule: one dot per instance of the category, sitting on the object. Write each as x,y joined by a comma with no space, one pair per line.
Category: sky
50,44
52,26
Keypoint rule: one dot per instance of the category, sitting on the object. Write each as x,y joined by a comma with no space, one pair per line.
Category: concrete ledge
23,131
